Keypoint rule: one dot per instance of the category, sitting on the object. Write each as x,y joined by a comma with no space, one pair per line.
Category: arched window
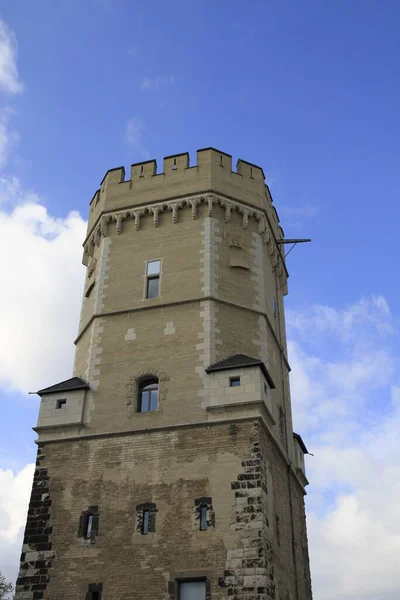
148,395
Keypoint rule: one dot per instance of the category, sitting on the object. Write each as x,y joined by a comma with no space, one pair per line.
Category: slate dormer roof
240,361
75,383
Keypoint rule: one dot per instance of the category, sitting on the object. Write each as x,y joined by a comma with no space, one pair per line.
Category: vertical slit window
203,518
277,530
146,520
89,527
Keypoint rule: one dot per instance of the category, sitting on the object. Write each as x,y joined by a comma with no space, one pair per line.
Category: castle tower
167,466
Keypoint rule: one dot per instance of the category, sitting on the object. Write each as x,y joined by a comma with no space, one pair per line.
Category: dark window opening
192,590
145,524
234,381
61,403
265,388
174,167
203,518
220,161
146,518
251,172
148,395
89,523
282,425
89,527
141,171
94,591
277,530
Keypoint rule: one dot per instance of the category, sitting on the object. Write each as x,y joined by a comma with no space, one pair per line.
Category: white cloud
15,489
154,83
9,78
135,128
345,400
41,288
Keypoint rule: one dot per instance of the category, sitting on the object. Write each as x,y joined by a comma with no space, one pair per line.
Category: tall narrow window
89,523
204,513
89,527
145,523
192,590
153,268
203,518
282,425
148,395
277,530
146,518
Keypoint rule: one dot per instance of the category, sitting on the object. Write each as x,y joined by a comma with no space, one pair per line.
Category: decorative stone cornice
173,206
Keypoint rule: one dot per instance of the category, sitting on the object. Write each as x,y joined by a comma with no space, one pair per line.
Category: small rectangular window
153,269
146,519
192,590
234,381
265,388
203,518
61,403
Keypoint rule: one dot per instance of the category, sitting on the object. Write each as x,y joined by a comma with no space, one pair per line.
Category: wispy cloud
155,83
305,211
9,78
134,131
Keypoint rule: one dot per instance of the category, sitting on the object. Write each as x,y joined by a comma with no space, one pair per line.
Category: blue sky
308,90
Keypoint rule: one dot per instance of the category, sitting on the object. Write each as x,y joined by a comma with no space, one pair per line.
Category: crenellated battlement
211,173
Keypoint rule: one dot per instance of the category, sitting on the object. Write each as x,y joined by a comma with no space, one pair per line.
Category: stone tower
167,466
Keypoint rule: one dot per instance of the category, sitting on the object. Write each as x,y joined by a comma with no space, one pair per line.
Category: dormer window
61,403
148,395
234,381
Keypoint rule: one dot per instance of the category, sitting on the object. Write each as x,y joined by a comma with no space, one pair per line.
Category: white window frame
148,276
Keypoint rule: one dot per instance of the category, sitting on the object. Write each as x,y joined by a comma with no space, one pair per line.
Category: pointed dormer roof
75,383
240,361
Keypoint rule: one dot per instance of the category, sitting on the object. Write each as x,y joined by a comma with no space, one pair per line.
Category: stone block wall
235,468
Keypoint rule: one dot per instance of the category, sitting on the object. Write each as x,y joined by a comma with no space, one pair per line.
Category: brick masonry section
235,469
